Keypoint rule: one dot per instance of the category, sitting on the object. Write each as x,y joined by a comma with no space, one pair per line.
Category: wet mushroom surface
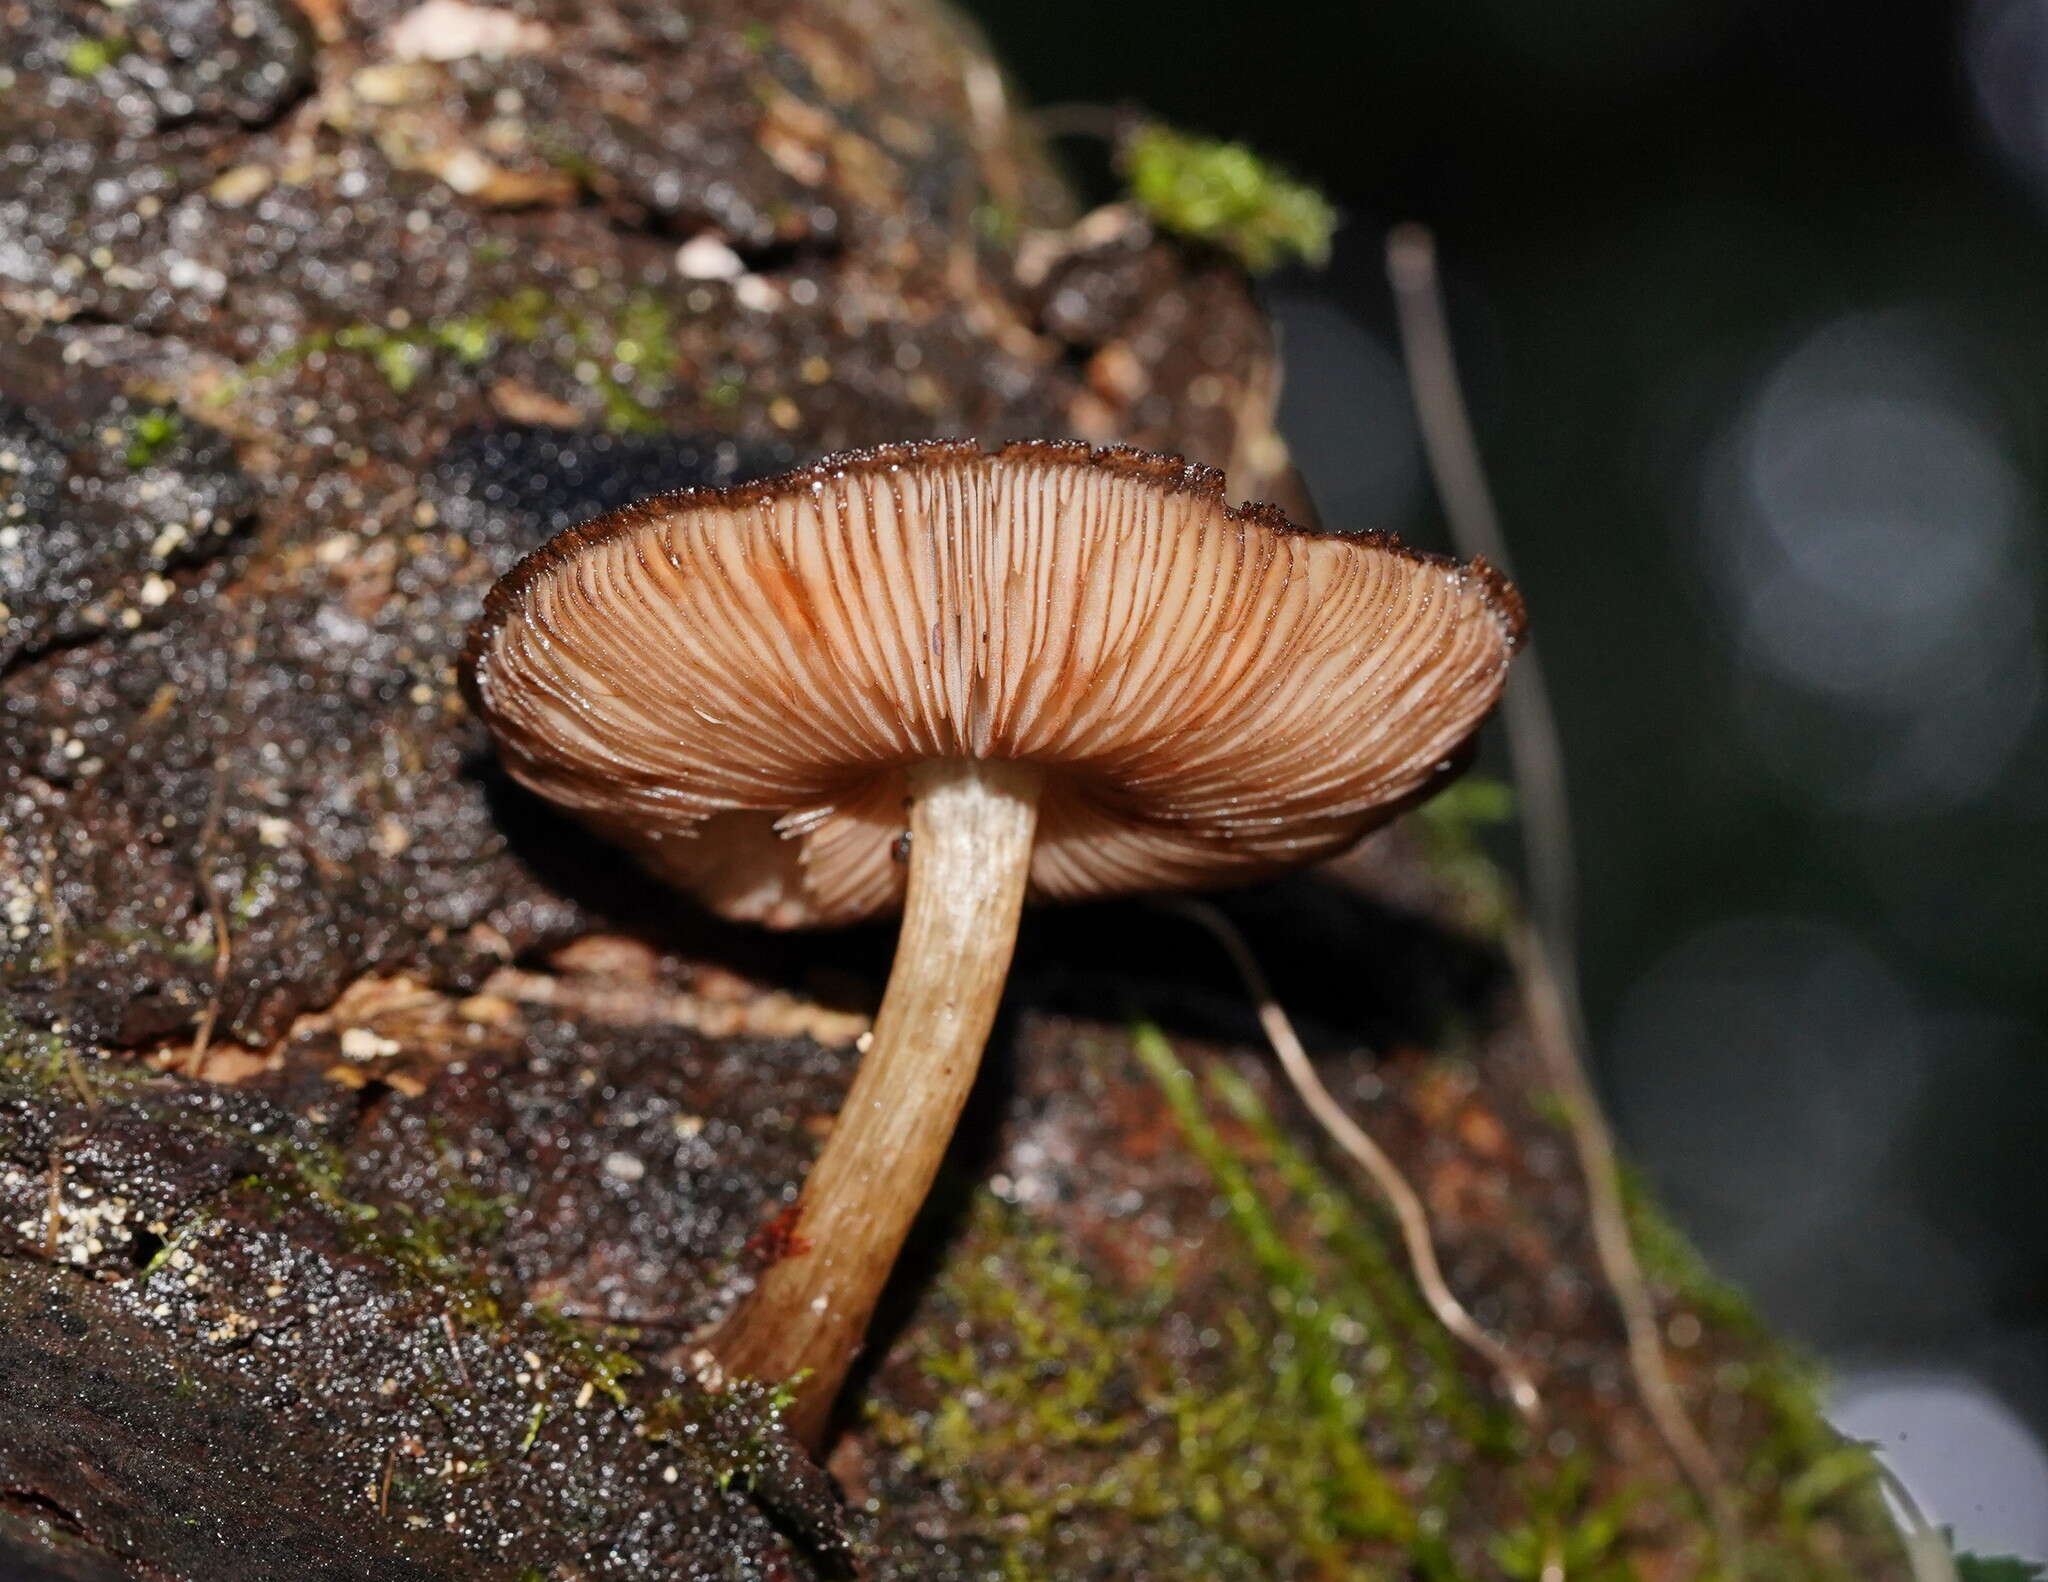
370,1135
940,678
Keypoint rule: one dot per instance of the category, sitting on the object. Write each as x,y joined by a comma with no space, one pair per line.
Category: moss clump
1997,1568
1453,826
89,56
1224,194
1801,1477
1286,1405
1286,1431
1363,1276
401,356
47,1069
1567,1526
586,1353
742,1446
149,433
1065,1416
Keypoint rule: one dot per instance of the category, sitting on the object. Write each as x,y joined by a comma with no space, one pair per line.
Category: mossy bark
372,1145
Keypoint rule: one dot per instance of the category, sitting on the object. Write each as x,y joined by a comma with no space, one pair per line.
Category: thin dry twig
598,1315
1401,1197
53,909
223,961
1108,123
1474,523
60,953
652,1005
53,1228
1927,1550
455,1347
1544,952
216,909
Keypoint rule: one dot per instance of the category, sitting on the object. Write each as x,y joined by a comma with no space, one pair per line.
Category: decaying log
372,1144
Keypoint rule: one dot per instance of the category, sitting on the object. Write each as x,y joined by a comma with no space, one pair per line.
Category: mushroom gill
732,684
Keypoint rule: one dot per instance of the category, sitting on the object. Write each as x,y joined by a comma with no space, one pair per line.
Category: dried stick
53,1224
60,951
1545,952
216,909
454,1347
53,911
1927,1548
1386,1175
1107,123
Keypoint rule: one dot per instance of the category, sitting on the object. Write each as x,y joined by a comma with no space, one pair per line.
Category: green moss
176,944
1327,1310
627,358
1225,195
440,1246
523,317
733,1433
1065,1411
636,357
1670,1261
624,412
1363,1276
1801,1475
435,1251
1060,1409
148,433
89,56
1566,1525
646,335
1453,826
249,901
997,223
47,1068
401,356
1997,1568
1290,1407
588,1357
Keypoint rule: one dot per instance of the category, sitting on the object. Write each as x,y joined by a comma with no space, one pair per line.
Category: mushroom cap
732,682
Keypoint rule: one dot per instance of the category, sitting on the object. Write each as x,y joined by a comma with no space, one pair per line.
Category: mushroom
934,678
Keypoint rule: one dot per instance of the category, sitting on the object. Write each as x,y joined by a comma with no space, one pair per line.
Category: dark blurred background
1750,300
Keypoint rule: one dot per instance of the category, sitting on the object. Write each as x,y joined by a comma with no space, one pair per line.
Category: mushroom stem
971,823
